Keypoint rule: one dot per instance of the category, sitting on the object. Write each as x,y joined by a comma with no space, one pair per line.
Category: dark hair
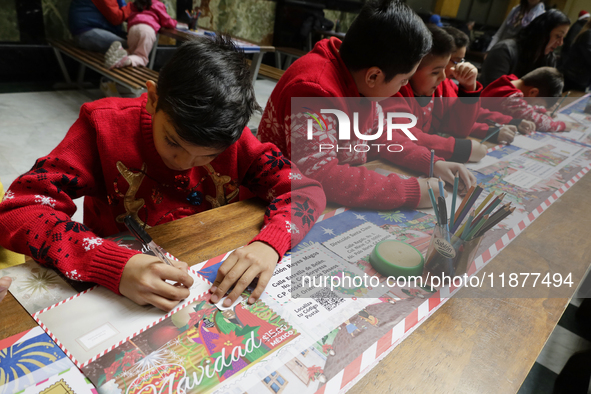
386,34
461,39
443,43
548,80
533,39
142,5
206,91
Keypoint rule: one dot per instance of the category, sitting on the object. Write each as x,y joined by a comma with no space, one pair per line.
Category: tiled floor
32,124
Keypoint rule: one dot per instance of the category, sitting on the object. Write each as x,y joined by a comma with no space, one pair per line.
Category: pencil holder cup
193,23
449,255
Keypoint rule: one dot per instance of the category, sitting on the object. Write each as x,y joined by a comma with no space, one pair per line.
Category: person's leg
141,39
97,40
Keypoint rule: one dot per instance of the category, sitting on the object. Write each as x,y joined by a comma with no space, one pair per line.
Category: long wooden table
470,345
183,35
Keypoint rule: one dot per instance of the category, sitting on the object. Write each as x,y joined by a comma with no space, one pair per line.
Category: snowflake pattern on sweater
109,157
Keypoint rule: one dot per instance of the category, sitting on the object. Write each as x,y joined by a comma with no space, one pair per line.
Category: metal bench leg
153,54
278,60
60,61
288,61
80,78
255,65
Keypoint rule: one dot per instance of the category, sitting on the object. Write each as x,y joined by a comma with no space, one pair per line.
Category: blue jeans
98,40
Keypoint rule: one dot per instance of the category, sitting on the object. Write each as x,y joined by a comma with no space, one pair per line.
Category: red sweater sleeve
457,114
35,216
295,201
519,108
164,19
110,10
448,148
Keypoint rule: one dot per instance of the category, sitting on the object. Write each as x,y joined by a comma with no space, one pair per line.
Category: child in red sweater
180,149
145,19
442,115
488,122
377,56
528,98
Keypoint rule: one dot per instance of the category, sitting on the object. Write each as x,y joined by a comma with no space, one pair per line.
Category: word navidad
344,131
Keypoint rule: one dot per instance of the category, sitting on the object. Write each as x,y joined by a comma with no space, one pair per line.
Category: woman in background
533,48
577,64
519,17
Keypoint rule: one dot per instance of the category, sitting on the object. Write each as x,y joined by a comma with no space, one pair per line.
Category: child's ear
533,92
152,102
372,76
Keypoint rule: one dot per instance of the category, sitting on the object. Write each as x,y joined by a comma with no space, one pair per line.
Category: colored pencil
453,200
442,213
484,202
431,164
463,203
441,189
477,227
490,135
468,225
490,225
433,202
492,205
559,104
467,207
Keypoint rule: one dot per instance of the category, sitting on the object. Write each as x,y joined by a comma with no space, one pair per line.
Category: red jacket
156,16
439,115
322,74
511,101
481,128
108,156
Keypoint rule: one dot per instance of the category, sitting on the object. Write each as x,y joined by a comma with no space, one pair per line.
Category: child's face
176,153
430,74
456,58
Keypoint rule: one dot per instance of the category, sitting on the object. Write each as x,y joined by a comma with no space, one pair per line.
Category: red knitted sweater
322,74
511,100
109,157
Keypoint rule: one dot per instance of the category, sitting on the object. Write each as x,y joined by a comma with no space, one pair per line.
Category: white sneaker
123,62
114,54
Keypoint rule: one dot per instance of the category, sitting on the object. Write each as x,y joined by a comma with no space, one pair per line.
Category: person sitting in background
577,65
488,122
573,32
96,24
533,48
542,88
520,16
145,20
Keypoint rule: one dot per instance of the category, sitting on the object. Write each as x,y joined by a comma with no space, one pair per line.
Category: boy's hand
446,170
568,126
144,282
465,74
4,285
478,152
506,134
526,127
425,201
257,260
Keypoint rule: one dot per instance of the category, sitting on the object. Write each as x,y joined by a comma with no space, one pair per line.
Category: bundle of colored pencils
477,220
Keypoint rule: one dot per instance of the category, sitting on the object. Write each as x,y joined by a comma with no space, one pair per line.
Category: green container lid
396,258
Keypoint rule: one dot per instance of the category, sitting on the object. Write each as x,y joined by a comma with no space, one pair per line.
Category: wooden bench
290,54
133,78
269,71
